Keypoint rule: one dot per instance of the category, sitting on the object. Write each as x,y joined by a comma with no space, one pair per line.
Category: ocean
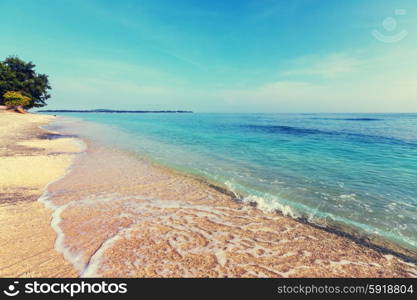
353,172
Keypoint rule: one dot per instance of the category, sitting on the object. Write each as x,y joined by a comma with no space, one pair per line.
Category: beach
28,162
116,214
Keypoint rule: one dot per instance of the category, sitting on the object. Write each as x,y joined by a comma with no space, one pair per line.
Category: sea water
355,170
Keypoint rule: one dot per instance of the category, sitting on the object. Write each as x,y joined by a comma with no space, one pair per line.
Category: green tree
18,75
15,99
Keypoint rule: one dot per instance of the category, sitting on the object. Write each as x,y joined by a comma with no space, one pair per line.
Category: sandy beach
117,215
29,160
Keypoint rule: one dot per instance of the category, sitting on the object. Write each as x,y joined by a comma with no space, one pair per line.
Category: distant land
116,111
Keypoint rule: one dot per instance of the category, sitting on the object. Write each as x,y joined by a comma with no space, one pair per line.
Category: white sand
27,165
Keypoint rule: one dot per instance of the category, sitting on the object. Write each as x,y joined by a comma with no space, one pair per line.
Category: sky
219,56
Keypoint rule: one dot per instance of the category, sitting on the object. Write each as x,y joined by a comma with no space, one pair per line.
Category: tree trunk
18,109
21,110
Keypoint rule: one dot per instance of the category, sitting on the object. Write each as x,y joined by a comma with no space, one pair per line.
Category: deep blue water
358,170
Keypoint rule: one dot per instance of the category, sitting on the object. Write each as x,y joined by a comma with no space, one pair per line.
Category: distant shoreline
117,111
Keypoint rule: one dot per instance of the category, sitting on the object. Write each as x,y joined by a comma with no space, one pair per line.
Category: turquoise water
357,170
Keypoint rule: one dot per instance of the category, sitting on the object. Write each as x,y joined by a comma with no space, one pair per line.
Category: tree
17,75
15,99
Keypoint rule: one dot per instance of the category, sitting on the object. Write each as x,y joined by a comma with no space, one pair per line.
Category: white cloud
383,83
328,66
400,96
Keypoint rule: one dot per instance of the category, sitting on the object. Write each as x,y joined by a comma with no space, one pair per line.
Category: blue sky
220,56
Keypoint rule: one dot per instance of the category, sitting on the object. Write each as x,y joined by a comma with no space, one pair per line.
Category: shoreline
363,239
372,242
352,234
175,204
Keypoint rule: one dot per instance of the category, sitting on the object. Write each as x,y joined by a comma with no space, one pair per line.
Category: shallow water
359,171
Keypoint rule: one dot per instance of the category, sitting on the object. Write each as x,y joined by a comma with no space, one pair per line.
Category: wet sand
117,215
28,162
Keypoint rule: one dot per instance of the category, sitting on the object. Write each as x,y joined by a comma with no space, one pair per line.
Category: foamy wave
271,205
77,259
264,203
232,189
91,269
57,210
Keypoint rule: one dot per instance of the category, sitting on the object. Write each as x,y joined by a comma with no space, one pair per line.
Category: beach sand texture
28,162
117,215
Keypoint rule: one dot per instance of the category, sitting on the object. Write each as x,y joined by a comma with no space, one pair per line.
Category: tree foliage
17,75
15,99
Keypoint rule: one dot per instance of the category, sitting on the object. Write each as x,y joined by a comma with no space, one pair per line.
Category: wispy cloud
120,71
168,39
382,83
328,66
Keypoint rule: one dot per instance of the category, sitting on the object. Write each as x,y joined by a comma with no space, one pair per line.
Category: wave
300,131
284,129
362,119
348,119
264,203
362,233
